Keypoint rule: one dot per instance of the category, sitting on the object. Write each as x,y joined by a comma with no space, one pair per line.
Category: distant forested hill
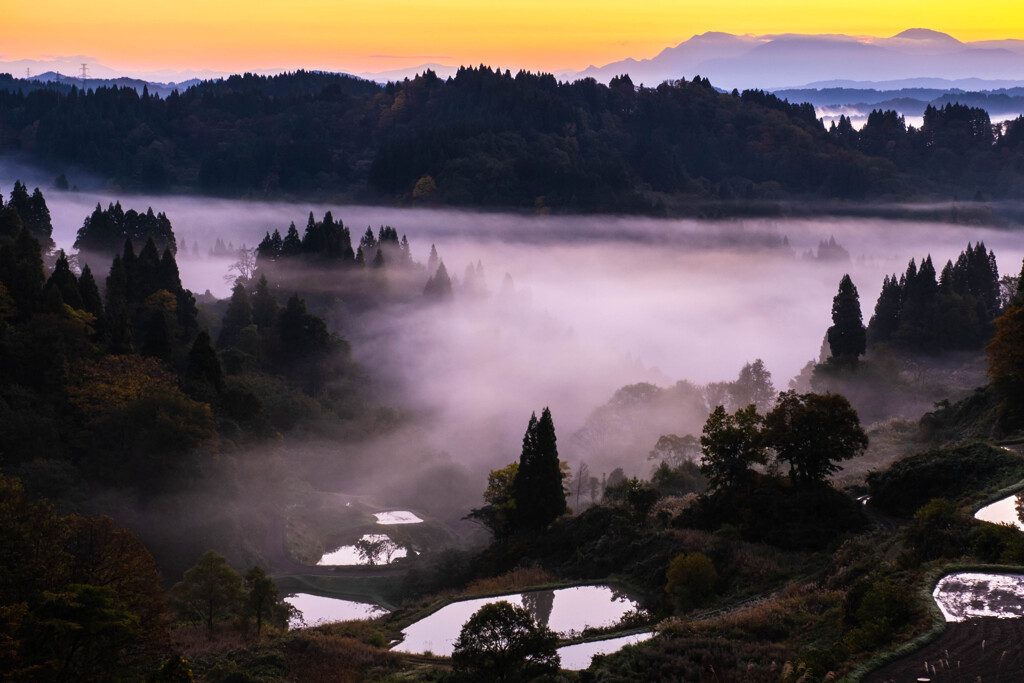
491,138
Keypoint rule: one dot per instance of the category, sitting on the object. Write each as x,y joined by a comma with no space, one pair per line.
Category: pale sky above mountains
359,36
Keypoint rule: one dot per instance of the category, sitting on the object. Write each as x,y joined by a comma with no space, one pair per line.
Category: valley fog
593,303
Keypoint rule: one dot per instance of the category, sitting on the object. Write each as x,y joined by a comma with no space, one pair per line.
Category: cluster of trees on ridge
490,138
127,391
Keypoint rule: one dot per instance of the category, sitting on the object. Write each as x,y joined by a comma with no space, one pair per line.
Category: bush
938,531
691,580
884,610
949,473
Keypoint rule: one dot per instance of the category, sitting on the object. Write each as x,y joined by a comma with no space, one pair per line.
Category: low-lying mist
592,304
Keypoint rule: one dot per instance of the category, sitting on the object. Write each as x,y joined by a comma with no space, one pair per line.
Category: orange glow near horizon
376,35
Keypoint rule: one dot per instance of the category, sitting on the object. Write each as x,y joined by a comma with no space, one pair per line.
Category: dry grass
302,543
326,657
777,618
190,640
888,441
510,582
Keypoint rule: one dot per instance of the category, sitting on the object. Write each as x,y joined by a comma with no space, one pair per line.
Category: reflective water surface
578,657
971,595
316,609
563,610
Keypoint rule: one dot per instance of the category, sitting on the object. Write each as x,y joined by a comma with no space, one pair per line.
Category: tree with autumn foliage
80,600
1006,364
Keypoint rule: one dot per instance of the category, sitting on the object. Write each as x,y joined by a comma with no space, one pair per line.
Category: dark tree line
330,242
490,137
126,388
954,310
105,231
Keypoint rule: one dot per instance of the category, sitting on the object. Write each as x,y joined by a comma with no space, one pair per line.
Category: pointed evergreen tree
38,221
157,340
237,317
21,270
117,287
439,286
168,276
847,337
292,244
406,258
148,269
313,239
537,487
65,281
90,292
432,261
264,305
265,250
203,375
886,320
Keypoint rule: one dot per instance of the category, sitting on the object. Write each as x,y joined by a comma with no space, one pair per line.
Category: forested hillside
491,138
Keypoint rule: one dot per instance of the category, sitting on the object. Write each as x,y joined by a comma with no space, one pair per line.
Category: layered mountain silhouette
770,62
792,60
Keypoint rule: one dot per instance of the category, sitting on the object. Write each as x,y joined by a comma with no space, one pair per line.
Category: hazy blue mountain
792,60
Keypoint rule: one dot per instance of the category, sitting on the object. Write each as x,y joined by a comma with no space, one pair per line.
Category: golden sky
375,35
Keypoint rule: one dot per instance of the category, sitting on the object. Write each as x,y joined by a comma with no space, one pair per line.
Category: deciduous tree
813,432
501,642
731,445
210,592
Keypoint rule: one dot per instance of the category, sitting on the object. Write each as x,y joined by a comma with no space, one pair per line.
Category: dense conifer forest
490,138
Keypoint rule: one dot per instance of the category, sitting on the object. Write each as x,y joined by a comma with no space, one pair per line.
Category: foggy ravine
598,303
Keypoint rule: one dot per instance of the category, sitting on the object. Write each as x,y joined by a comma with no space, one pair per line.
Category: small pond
377,549
1001,512
972,595
577,657
563,610
316,609
397,517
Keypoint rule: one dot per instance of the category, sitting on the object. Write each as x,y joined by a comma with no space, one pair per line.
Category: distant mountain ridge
767,62
793,60
54,81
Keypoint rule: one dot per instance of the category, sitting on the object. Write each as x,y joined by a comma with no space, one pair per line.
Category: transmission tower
85,75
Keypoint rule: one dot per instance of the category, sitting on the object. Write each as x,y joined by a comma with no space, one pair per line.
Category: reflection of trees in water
373,548
539,604
619,595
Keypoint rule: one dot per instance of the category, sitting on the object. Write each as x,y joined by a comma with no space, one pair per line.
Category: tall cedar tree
886,320
538,483
847,337
237,317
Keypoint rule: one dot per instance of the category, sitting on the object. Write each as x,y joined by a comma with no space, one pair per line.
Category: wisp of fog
591,303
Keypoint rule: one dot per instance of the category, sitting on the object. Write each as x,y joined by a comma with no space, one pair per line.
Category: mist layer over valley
566,311
330,381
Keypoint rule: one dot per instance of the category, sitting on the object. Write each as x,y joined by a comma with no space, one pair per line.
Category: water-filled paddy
386,552
577,657
1001,512
972,595
397,517
564,610
316,609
